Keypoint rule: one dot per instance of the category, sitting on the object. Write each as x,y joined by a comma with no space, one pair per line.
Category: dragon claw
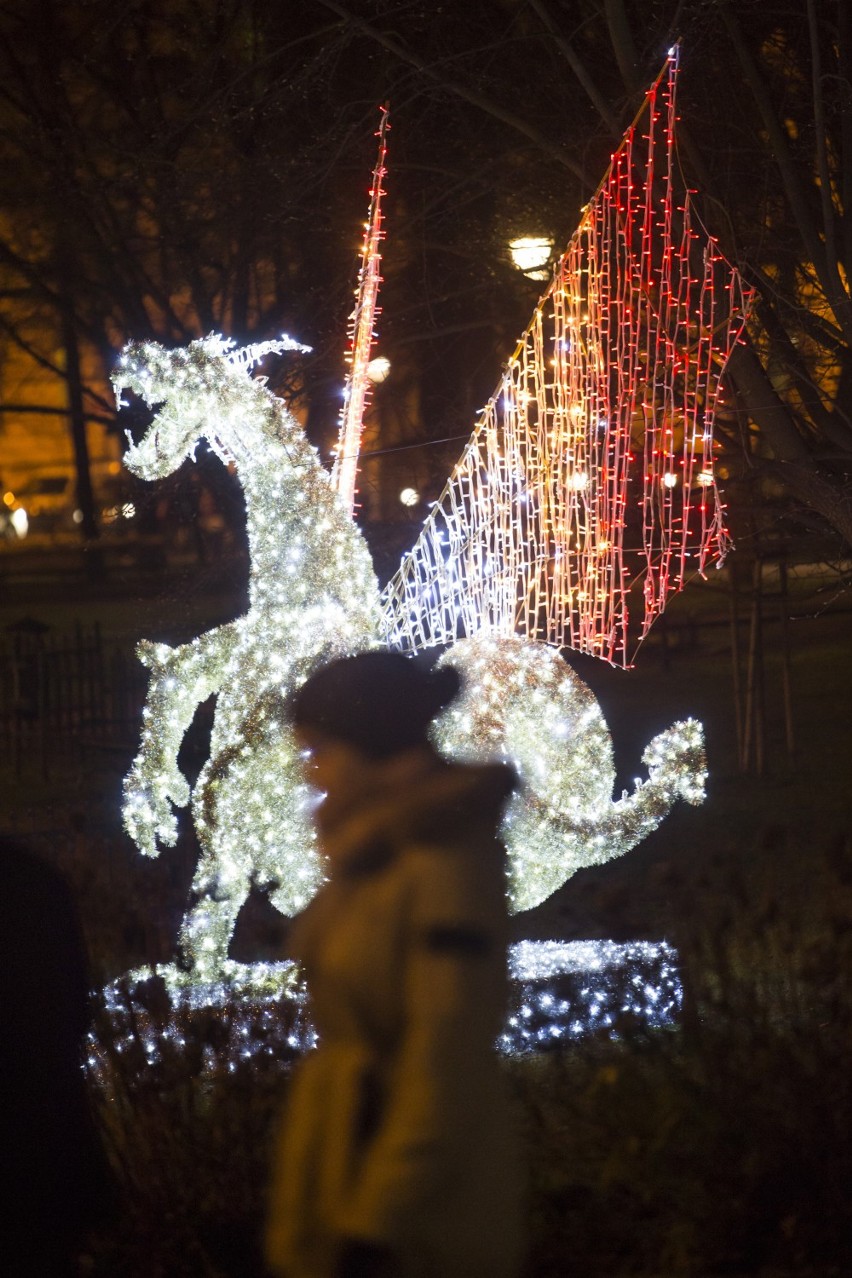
149,816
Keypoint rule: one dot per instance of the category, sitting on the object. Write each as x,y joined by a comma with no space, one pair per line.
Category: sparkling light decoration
623,356
523,702
559,992
362,370
590,467
313,595
564,990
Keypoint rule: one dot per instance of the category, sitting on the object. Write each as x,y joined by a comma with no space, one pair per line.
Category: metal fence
63,692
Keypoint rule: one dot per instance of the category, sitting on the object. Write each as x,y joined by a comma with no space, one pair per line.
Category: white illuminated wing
589,476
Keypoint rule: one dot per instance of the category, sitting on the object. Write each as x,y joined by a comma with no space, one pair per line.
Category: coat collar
415,796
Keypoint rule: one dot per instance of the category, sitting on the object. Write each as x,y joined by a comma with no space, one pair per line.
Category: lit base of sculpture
566,990
562,991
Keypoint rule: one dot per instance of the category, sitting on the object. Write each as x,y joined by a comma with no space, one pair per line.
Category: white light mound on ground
565,990
560,992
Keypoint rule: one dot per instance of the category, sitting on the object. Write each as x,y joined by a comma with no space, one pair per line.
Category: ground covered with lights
560,992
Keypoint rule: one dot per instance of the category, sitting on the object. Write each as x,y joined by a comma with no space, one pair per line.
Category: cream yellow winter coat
396,1129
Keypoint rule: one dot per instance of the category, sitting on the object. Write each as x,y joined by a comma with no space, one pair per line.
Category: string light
313,595
521,701
362,370
560,991
528,536
599,435
531,254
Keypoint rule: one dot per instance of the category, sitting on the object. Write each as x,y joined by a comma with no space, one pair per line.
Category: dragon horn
245,357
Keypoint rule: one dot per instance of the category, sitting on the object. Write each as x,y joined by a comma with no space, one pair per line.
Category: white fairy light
563,991
313,595
559,992
579,477
521,701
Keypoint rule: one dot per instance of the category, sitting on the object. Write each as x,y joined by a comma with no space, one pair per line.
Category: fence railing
61,692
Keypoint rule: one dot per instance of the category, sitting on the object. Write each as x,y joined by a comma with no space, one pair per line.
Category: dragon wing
589,474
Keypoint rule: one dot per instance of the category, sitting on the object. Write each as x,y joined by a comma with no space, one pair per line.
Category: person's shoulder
461,800
461,875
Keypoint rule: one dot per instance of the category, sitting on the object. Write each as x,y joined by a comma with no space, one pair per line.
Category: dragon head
198,391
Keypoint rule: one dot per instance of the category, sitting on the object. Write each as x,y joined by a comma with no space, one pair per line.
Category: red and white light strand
591,467
356,391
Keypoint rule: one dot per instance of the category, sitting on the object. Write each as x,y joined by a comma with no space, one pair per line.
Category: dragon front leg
216,898
181,678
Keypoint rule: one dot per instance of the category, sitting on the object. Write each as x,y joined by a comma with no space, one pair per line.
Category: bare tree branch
826,268
597,99
463,91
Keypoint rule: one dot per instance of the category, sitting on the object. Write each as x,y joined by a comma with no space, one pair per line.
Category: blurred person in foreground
395,1157
56,1186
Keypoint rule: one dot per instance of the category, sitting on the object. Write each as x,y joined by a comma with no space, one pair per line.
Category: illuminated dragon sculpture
313,595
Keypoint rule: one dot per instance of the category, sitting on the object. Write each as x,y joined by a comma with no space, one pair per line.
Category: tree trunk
792,462
76,409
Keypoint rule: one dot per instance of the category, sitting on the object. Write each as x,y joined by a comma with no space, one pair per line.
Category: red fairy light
356,391
595,419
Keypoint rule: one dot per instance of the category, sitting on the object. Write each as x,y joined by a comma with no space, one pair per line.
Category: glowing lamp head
531,254
378,369
409,496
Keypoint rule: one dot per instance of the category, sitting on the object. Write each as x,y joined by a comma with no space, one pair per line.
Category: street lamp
531,254
378,369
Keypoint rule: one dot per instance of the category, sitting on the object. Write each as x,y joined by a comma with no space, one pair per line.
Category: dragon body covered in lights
588,478
313,595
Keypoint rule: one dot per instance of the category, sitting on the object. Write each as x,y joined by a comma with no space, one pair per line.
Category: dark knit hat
378,702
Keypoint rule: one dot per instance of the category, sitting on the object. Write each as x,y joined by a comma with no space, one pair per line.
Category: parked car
14,522
47,504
